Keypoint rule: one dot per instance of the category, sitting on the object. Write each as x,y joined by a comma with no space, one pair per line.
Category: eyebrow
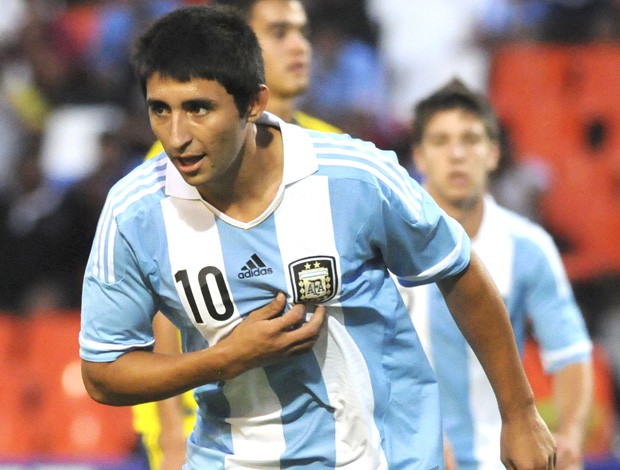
286,25
201,102
152,103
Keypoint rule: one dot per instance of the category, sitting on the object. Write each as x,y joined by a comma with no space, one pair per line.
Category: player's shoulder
343,146
523,228
342,150
140,188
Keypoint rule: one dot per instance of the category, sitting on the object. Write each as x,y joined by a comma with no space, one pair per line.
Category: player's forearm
140,376
479,311
572,394
264,337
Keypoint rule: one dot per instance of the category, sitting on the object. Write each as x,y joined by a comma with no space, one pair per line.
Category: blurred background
73,121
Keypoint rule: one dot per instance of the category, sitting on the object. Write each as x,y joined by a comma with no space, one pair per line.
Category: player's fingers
309,331
293,318
271,310
317,320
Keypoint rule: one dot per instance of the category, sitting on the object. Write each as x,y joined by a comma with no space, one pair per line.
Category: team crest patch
314,279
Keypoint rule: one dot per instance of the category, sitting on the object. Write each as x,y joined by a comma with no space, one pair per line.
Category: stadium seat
14,425
529,86
69,424
561,105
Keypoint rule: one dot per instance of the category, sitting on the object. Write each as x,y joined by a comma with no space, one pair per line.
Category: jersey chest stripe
194,244
338,353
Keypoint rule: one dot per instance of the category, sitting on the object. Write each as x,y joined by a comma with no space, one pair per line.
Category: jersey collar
300,160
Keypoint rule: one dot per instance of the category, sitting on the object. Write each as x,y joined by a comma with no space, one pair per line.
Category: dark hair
453,95
210,42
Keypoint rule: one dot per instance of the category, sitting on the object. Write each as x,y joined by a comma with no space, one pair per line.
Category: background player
455,147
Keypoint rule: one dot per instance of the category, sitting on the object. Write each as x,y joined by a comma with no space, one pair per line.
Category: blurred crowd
73,119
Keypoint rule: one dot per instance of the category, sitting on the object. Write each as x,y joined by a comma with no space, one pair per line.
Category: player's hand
448,455
526,442
267,335
173,454
569,452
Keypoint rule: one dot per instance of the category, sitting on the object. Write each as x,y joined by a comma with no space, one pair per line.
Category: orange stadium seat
529,86
13,391
69,424
561,105
602,425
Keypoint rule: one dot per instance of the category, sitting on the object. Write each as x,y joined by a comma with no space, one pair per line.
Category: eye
279,32
157,109
437,140
198,108
472,138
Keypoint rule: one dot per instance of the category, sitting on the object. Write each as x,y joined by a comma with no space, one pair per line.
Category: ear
494,156
258,104
417,158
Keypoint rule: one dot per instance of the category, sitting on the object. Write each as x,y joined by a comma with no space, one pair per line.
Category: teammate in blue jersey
269,246
455,148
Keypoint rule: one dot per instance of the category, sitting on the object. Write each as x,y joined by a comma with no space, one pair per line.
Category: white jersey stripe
549,358
439,267
94,345
353,416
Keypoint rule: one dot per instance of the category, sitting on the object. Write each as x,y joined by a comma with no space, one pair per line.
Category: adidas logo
254,267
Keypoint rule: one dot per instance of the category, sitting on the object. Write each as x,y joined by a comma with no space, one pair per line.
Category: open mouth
189,164
189,161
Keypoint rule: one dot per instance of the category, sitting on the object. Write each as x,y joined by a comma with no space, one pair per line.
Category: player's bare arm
264,337
478,310
572,396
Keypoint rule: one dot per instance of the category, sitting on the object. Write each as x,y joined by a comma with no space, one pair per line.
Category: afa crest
314,279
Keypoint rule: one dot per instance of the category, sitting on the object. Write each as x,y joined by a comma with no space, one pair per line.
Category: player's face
455,157
199,126
280,26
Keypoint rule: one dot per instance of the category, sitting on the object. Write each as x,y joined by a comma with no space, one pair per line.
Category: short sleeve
117,303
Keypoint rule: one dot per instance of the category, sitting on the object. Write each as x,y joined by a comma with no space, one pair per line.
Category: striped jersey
525,264
346,213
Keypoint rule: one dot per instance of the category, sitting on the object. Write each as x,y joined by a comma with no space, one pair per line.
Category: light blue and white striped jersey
366,396
527,269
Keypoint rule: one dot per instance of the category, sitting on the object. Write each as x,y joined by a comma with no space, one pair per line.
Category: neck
255,181
281,107
468,213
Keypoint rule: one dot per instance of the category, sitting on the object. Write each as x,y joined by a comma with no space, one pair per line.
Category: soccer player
455,148
269,247
281,28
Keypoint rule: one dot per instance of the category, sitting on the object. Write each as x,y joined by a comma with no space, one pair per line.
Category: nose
299,42
179,132
457,150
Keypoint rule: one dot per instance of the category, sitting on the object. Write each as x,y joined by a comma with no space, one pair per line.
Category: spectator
29,234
